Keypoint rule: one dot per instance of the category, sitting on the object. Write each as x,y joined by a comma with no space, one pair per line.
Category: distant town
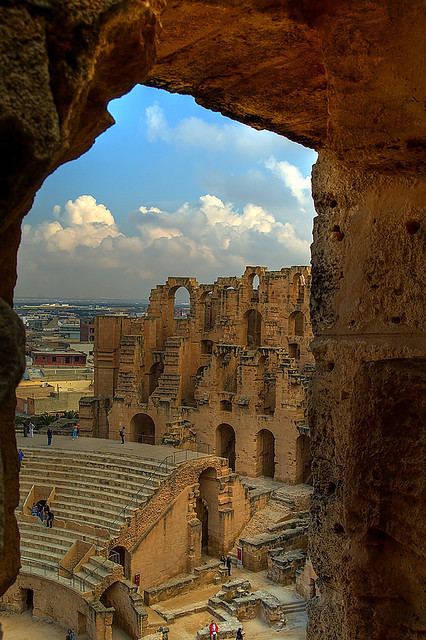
60,336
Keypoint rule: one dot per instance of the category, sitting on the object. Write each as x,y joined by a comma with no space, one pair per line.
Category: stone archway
207,509
225,443
121,556
142,428
265,453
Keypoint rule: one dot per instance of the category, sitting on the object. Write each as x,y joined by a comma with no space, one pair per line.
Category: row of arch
143,428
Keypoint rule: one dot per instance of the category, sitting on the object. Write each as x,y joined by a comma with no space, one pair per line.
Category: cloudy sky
170,189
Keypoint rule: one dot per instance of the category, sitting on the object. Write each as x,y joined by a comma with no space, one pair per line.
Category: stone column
365,402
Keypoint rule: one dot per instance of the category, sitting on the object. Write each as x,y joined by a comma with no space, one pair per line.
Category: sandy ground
21,626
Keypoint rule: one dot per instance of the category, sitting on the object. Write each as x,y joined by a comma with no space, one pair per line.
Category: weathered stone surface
342,77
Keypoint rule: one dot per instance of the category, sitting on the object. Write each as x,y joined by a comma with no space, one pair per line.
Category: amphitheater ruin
345,79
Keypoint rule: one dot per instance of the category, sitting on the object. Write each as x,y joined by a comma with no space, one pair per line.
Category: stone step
37,531
114,500
44,555
56,478
100,510
137,470
46,545
92,519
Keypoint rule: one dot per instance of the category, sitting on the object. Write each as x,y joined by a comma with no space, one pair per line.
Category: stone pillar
367,272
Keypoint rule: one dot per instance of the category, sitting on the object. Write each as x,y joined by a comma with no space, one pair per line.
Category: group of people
70,635
28,429
227,561
214,629
42,510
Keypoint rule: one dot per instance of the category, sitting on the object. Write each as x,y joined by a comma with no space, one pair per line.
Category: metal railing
55,572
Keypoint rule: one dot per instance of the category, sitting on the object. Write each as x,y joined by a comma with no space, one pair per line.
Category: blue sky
170,189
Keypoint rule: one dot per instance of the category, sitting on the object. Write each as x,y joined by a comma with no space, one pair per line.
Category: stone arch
254,281
253,322
173,292
296,324
121,556
265,453
125,617
225,443
303,460
142,428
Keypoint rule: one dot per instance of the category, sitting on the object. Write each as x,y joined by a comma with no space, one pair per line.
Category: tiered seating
94,494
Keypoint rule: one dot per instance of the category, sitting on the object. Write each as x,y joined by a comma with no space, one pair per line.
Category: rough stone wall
240,361
342,77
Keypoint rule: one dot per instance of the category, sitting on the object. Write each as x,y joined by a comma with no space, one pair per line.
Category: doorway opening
154,373
28,599
265,446
142,428
254,328
225,443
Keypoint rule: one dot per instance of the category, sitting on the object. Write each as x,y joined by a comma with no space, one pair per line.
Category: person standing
49,436
213,628
21,457
50,518
122,433
31,429
74,431
228,564
40,511
239,635
25,425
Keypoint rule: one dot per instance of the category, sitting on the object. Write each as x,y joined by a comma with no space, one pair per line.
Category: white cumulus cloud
292,177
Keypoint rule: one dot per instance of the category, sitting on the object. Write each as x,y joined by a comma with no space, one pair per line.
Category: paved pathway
99,445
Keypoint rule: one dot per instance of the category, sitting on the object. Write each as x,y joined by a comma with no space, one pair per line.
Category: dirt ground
21,626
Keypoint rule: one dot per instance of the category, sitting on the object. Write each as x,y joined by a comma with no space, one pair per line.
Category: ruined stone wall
241,358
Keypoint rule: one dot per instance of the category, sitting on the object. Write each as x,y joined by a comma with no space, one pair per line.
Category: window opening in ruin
142,429
255,282
254,328
182,303
296,324
206,347
294,350
209,311
225,444
154,373
265,447
225,405
28,597
303,460
298,293
202,512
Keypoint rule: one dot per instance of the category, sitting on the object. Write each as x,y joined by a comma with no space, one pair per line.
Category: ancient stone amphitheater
345,79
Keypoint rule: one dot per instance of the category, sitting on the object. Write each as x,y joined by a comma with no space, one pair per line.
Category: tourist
25,425
40,511
31,429
228,564
74,431
34,510
239,635
122,434
213,628
223,559
49,436
70,635
46,510
21,457
77,426
50,518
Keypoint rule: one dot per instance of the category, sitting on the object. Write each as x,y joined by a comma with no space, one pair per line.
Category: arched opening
296,324
207,511
154,373
265,448
303,460
206,347
254,281
28,599
298,293
121,556
124,625
294,350
182,303
254,328
209,311
142,428
225,443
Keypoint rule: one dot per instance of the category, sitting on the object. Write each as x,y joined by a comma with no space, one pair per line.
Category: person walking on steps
122,434
49,436
213,628
228,564
50,518
239,635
